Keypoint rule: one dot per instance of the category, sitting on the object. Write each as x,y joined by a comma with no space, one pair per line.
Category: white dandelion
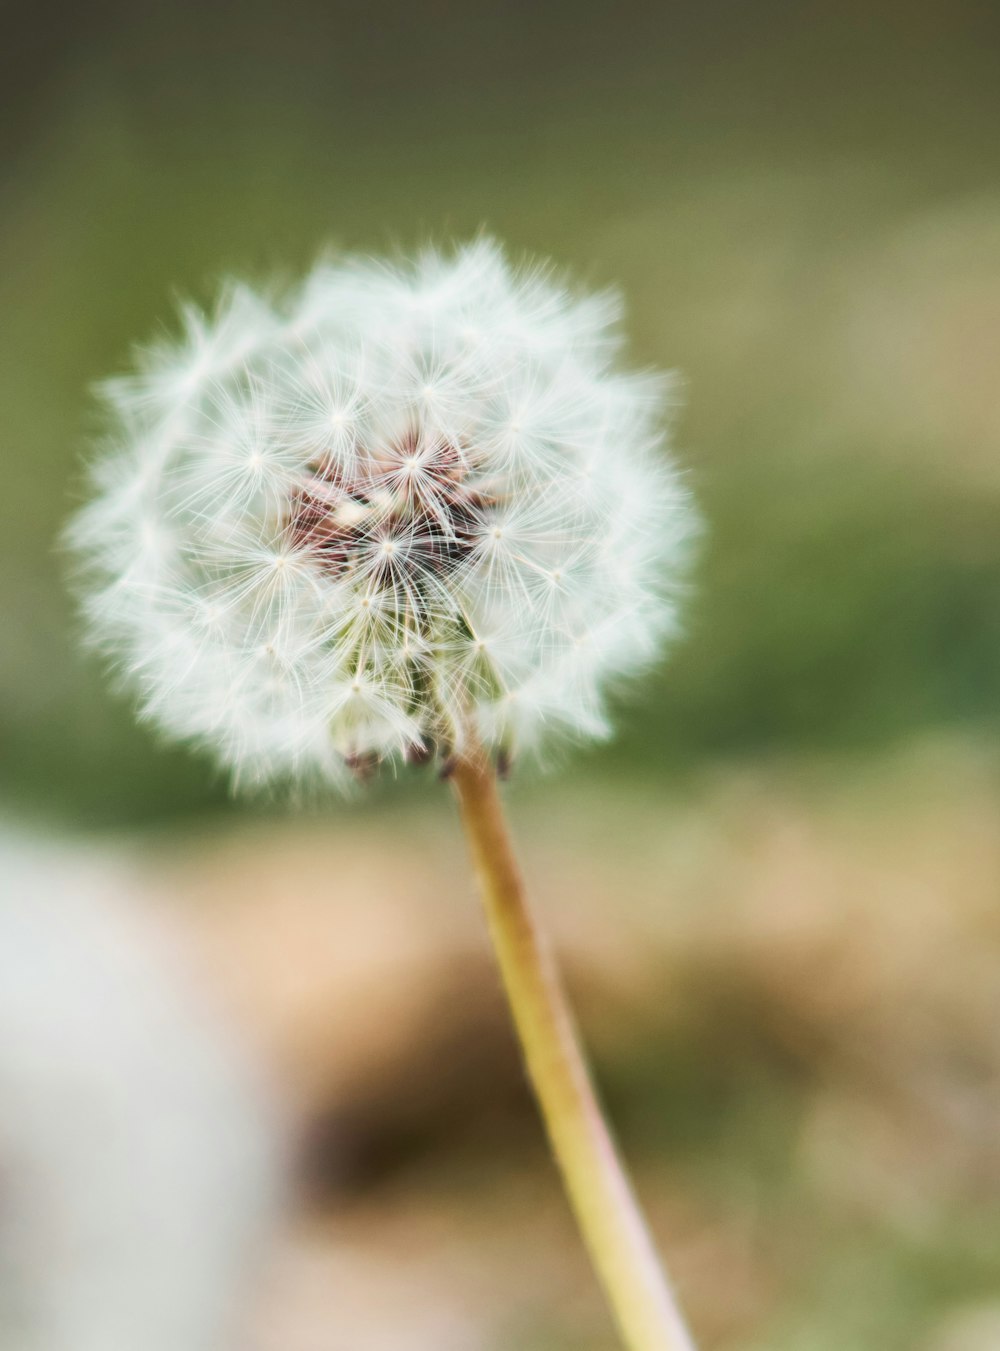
406,513
400,506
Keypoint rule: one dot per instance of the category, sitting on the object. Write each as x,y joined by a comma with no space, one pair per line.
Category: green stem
607,1212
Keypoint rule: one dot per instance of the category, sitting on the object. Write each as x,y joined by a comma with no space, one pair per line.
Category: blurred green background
801,204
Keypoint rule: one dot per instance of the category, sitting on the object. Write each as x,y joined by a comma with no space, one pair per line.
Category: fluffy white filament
399,504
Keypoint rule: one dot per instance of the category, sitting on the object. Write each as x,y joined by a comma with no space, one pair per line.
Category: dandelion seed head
393,509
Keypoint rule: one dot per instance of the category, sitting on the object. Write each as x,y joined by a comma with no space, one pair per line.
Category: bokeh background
776,891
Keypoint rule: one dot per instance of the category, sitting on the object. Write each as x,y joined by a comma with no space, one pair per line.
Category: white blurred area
140,1156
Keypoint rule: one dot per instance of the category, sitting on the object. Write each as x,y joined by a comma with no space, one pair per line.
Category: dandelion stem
606,1209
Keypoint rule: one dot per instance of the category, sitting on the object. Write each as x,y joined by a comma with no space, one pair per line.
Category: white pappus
399,506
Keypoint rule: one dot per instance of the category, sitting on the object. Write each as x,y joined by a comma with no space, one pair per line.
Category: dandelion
404,513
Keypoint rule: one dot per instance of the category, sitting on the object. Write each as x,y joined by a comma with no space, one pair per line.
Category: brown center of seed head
395,516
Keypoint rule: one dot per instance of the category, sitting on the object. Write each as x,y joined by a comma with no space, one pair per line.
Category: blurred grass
800,205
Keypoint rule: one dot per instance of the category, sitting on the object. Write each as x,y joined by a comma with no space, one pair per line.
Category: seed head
399,506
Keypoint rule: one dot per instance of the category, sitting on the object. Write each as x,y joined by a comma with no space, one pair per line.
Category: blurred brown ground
790,982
